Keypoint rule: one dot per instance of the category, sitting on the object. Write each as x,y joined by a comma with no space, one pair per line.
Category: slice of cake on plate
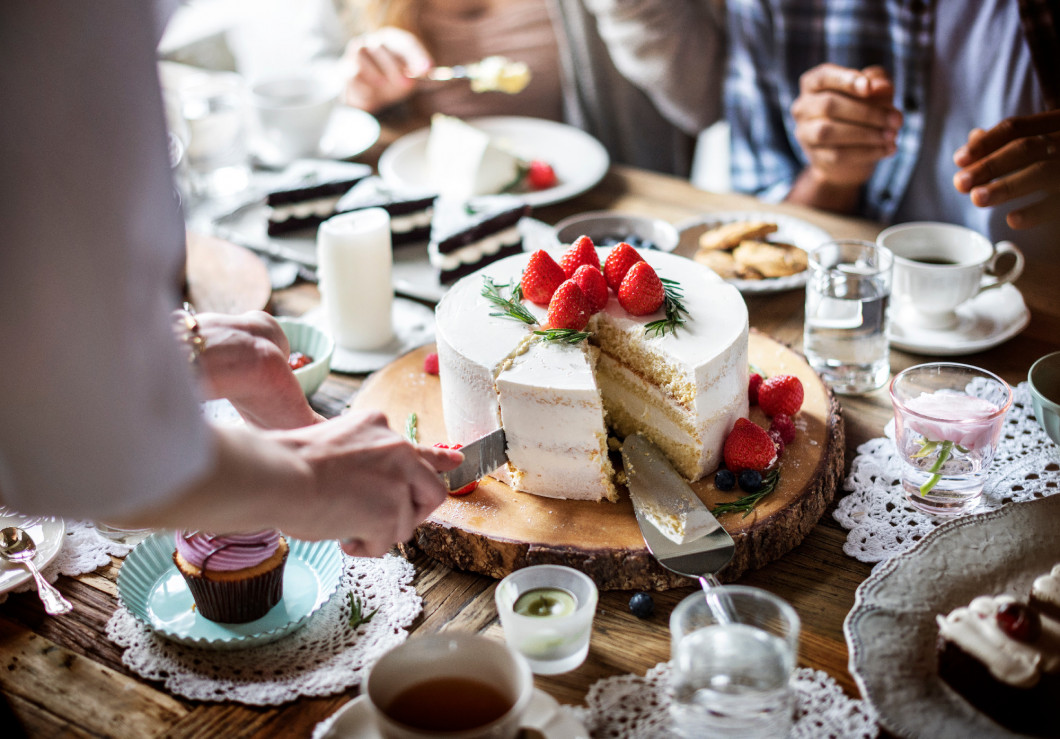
1002,656
410,210
466,236
308,193
464,161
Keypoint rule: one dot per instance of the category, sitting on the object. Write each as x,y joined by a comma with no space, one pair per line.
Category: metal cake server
695,544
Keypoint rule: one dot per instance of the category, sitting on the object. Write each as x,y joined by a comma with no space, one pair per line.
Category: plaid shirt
772,42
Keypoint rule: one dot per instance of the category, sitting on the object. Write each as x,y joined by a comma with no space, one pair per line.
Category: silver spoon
17,546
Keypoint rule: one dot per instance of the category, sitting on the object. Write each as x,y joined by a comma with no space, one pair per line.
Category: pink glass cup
948,420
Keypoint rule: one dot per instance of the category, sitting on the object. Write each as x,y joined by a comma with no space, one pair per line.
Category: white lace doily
638,707
323,658
882,523
83,550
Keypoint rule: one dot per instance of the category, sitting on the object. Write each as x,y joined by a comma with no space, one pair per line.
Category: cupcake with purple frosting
234,578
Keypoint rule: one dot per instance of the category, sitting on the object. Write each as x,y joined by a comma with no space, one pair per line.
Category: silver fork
653,482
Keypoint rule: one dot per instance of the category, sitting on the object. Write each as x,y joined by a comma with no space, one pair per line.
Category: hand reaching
372,487
381,66
846,122
1018,157
245,361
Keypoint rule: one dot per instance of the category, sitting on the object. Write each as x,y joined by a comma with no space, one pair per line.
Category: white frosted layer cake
684,391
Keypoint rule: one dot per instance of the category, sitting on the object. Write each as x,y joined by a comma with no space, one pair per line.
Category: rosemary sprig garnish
747,503
411,430
357,617
509,307
563,335
673,304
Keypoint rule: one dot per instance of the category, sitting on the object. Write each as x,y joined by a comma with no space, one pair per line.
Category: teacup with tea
456,685
939,266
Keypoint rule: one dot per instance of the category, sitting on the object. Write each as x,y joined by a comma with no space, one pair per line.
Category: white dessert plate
355,720
47,533
413,326
790,230
154,591
990,318
579,160
891,631
349,132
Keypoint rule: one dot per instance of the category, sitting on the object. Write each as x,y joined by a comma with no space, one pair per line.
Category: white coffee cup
293,112
939,266
447,659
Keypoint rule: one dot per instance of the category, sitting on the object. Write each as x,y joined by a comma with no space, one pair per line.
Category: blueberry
750,481
641,605
724,480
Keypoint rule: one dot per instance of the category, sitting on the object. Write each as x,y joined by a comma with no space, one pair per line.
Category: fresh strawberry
641,291
783,424
753,383
580,252
591,280
781,394
618,262
569,308
541,278
748,447
430,363
540,175
467,488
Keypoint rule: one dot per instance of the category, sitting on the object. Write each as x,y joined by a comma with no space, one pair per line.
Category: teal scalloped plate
154,591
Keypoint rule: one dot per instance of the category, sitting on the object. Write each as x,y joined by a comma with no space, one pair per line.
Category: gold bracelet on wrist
190,332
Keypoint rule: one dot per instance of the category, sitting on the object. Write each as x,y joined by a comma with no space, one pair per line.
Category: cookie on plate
729,235
771,259
726,266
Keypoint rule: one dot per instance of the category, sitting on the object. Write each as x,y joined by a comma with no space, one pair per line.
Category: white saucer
987,320
355,721
47,533
413,326
349,132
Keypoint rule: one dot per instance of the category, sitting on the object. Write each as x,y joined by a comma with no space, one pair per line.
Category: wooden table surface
63,677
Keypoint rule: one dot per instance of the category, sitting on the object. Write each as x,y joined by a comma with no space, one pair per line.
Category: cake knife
481,457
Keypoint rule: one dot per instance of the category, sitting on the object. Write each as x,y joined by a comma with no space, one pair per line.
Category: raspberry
753,383
1019,621
777,439
430,363
784,425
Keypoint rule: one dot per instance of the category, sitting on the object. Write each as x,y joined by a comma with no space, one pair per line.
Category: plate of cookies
756,251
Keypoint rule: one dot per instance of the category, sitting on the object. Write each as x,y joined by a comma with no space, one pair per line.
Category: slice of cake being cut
410,210
308,193
684,390
466,236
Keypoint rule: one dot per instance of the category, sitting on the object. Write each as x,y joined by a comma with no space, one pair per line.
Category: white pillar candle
355,260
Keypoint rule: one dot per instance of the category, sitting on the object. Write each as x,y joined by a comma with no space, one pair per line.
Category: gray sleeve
98,404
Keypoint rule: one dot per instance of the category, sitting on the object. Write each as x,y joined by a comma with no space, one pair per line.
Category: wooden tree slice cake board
495,530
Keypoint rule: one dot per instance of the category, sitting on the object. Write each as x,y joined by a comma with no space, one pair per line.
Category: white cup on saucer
456,685
939,266
292,113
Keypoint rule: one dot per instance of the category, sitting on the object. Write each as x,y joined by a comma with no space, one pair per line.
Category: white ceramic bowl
312,342
606,228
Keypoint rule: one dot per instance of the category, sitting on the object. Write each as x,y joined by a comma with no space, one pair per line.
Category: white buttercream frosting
463,161
550,396
474,252
319,207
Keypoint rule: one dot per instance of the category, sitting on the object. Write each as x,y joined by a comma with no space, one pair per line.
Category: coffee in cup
939,266
455,685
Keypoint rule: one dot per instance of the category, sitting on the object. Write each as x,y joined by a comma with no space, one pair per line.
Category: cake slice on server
466,236
411,210
308,192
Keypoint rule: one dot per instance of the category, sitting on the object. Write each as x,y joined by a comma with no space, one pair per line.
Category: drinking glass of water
848,292
732,678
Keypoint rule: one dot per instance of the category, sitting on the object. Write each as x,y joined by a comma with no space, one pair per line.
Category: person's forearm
816,192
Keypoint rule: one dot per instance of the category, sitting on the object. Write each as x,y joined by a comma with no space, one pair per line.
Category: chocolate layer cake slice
309,192
466,236
1003,657
410,210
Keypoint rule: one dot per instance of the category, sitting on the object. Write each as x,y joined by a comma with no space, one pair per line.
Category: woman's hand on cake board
372,486
245,360
380,68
